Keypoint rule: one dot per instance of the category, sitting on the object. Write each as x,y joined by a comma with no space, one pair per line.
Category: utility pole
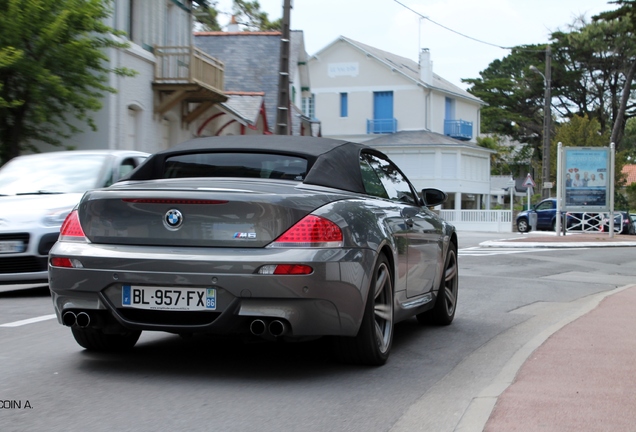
282,112
547,117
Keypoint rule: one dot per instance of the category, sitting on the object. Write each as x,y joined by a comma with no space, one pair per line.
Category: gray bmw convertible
277,237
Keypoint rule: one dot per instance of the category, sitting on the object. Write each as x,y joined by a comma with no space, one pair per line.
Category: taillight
310,232
61,262
285,269
65,262
71,229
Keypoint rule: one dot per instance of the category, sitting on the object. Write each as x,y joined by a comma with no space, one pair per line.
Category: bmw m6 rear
235,238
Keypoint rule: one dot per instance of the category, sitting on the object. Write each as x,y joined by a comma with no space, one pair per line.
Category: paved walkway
583,377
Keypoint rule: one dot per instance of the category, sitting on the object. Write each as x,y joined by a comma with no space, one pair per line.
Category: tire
372,345
96,340
443,312
522,225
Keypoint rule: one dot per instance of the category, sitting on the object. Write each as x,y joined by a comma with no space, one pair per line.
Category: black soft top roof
331,163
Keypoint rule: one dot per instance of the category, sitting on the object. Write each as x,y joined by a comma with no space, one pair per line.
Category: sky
389,26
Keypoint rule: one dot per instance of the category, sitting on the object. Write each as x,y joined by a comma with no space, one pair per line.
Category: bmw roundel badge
173,219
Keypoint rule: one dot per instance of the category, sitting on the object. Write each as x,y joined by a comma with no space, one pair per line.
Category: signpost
511,186
529,184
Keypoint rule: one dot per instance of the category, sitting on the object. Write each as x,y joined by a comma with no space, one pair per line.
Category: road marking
487,251
28,321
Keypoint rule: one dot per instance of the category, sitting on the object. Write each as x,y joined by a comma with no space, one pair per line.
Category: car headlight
55,217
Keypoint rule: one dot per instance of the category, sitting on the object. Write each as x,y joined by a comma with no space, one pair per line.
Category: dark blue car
546,216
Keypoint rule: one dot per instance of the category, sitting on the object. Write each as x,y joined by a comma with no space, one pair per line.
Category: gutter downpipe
427,119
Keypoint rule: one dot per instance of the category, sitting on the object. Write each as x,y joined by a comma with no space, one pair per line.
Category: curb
550,244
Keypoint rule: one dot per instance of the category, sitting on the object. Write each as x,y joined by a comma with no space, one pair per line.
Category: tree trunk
15,134
619,124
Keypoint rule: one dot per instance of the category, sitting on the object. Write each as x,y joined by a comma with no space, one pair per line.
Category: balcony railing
382,126
458,129
188,65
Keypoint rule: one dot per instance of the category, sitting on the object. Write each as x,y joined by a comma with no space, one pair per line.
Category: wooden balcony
185,75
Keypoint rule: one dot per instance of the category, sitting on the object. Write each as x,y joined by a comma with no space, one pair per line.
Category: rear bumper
330,301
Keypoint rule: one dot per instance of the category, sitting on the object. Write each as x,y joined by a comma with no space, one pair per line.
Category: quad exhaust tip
275,328
257,327
81,319
69,319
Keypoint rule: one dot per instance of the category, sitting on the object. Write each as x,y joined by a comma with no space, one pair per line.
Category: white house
156,108
423,122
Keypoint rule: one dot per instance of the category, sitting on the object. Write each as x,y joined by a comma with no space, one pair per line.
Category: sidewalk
582,378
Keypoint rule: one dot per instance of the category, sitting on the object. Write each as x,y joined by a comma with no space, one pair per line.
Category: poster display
585,178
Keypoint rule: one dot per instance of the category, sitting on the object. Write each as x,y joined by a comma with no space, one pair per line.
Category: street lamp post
547,117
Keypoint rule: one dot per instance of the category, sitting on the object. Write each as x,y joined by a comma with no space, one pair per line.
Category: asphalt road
433,381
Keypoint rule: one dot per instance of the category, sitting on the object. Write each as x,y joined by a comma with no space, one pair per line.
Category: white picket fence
479,220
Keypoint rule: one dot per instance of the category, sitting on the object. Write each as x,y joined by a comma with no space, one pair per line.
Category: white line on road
28,321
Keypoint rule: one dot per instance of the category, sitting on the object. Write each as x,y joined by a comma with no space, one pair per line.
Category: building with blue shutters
423,122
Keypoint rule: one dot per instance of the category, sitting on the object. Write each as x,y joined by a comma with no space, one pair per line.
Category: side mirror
433,197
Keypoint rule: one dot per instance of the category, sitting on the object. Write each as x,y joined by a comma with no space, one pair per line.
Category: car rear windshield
244,165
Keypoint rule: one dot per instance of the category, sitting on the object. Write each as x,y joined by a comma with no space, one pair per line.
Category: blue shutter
450,114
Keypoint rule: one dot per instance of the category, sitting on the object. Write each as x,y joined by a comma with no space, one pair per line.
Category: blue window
344,105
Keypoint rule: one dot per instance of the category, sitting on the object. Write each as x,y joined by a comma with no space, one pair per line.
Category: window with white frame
308,106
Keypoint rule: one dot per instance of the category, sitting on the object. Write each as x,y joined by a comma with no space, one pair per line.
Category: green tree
53,68
8,56
581,131
246,13
514,95
629,140
626,14
630,190
509,158
587,77
249,14
206,14
592,59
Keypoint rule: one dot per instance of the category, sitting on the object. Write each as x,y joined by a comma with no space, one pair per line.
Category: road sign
548,185
529,182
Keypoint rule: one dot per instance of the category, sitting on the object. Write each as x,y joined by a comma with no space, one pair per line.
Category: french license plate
11,246
162,298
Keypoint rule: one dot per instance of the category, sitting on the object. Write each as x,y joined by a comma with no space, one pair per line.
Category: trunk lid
196,212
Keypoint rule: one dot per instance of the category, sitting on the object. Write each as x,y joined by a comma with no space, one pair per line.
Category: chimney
426,66
233,26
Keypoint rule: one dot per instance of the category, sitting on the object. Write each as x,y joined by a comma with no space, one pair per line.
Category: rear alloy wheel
522,225
443,312
96,340
372,344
